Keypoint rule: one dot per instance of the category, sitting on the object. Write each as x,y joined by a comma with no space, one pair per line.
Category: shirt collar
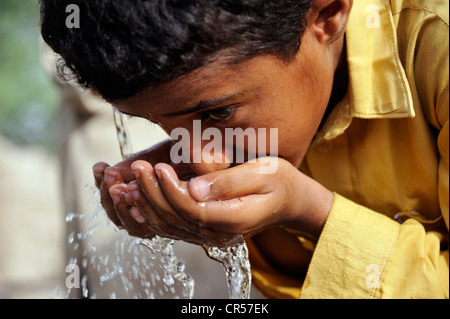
378,86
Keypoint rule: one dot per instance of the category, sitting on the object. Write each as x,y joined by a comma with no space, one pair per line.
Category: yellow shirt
384,151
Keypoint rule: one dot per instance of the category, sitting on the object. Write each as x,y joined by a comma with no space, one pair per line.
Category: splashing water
123,263
233,258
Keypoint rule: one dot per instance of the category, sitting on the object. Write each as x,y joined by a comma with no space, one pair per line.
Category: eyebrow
205,104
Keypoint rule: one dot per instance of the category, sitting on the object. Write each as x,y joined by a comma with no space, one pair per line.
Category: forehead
212,81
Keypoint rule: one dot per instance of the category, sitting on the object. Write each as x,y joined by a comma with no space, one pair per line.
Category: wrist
309,208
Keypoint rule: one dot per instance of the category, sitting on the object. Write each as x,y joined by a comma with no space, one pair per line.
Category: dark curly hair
123,46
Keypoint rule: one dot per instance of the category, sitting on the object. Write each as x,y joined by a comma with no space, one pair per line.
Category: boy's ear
328,19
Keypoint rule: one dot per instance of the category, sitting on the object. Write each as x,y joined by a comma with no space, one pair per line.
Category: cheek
297,132
316,81
293,145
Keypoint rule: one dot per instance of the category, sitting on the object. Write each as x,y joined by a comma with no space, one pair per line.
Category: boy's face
262,92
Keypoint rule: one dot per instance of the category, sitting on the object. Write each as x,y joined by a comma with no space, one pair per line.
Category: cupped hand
213,208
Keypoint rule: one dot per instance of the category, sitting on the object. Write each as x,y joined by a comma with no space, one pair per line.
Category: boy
359,94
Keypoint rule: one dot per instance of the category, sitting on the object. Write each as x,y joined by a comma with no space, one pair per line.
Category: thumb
228,184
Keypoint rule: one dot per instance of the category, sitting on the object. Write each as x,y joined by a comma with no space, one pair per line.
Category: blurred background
31,230
51,134
28,98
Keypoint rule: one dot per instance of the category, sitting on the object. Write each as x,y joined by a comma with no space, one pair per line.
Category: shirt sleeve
364,254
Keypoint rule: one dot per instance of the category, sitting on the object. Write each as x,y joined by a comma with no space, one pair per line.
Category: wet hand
213,208
112,183
252,197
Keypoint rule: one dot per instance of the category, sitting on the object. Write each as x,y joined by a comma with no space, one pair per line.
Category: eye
218,115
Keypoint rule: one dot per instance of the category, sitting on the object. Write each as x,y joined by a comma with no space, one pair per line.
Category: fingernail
136,171
201,188
109,178
129,199
137,168
115,195
136,213
97,169
133,190
135,194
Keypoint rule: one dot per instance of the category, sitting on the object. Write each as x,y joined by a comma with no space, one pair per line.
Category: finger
173,223
231,183
146,209
127,215
159,213
144,212
177,231
153,194
239,215
99,169
177,194
111,177
148,180
155,154
243,215
117,193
